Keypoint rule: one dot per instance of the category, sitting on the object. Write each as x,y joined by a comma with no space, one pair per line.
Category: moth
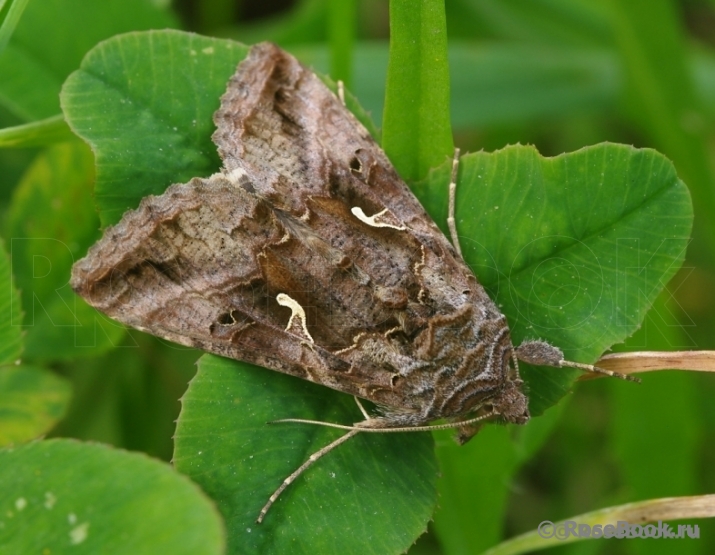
309,255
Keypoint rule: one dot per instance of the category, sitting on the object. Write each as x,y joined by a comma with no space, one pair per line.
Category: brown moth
307,254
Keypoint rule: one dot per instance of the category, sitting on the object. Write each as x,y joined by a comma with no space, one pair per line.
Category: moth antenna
362,409
452,198
302,468
341,92
377,425
314,422
432,427
597,370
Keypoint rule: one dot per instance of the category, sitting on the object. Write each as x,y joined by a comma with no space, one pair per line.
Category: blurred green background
559,74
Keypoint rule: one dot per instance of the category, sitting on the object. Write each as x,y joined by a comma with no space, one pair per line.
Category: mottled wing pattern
307,255
279,121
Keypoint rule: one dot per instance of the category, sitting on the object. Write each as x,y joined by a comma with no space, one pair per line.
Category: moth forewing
307,254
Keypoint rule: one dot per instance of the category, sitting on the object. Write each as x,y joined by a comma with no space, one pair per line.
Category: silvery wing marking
309,255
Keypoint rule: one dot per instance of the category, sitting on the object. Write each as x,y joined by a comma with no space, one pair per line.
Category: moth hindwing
307,254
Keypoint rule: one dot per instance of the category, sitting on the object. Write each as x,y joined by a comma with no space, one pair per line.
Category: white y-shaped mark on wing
296,310
373,220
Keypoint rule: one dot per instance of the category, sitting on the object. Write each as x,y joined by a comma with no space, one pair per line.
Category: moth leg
341,92
302,468
311,460
362,409
541,353
465,433
452,198
469,427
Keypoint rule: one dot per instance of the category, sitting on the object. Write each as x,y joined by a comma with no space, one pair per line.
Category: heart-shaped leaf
574,249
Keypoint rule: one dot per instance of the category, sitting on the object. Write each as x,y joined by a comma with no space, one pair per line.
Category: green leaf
10,314
574,249
224,443
40,56
164,87
32,401
417,134
10,12
38,133
62,496
50,224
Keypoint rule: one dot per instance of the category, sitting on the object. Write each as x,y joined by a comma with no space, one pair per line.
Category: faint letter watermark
622,530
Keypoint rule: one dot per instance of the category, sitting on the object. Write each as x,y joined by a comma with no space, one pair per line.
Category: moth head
511,405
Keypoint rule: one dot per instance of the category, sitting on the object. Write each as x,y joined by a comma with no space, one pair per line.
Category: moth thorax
482,383
509,403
